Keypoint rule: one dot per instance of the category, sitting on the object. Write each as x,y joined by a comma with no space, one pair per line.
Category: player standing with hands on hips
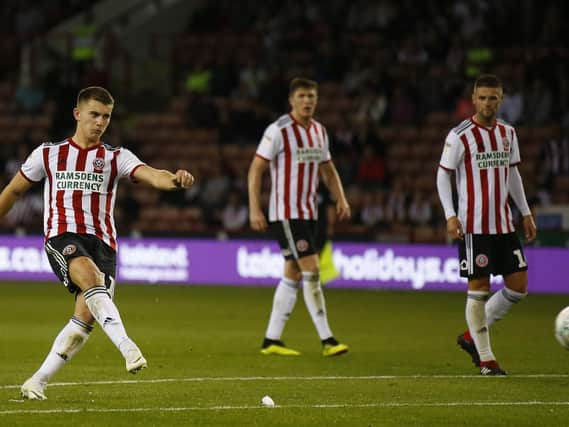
484,153
296,149
80,177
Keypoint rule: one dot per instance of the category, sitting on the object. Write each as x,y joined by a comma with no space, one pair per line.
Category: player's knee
520,287
479,284
294,277
515,295
517,282
309,264
85,273
310,269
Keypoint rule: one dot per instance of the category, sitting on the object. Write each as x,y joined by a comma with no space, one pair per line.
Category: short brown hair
97,93
301,82
488,80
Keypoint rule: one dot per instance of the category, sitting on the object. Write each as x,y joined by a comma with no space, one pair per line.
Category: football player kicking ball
80,176
484,154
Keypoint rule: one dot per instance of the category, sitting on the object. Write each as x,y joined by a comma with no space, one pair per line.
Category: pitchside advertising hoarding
259,263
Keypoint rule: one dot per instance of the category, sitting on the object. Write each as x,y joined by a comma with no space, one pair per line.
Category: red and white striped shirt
80,186
481,159
295,153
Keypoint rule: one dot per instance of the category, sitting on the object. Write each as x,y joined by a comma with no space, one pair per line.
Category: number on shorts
521,261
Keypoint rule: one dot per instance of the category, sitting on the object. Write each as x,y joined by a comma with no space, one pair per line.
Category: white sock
314,300
476,321
500,303
283,304
107,315
67,344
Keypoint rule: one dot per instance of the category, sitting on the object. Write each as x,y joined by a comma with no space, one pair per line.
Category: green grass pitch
202,346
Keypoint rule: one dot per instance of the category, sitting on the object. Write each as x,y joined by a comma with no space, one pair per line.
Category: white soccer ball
268,402
562,327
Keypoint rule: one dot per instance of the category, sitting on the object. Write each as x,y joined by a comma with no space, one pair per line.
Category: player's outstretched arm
163,179
12,192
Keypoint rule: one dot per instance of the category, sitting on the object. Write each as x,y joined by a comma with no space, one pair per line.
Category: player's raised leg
502,301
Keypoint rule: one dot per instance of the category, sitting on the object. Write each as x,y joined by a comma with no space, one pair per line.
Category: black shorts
481,255
296,237
63,248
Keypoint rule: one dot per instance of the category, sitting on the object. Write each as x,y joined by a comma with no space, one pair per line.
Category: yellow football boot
278,348
334,349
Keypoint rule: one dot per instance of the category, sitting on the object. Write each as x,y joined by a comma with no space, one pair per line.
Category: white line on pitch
289,378
315,406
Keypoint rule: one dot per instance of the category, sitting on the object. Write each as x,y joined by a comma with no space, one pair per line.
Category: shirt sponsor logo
492,159
311,154
75,180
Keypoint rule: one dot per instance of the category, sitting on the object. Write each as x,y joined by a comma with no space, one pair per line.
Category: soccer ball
562,327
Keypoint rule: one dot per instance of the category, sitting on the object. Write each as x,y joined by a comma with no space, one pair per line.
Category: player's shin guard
476,320
314,300
283,304
500,303
106,313
67,344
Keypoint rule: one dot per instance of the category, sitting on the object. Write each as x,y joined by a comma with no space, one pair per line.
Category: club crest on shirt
481,261
99,164
69,249
302,245
506,143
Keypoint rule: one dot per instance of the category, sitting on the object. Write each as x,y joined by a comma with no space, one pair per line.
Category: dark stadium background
197,82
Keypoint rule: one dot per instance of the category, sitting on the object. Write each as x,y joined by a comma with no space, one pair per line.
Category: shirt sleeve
326,156
444,188
127,163
33,169
515,157
517,192
453,152
271,143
